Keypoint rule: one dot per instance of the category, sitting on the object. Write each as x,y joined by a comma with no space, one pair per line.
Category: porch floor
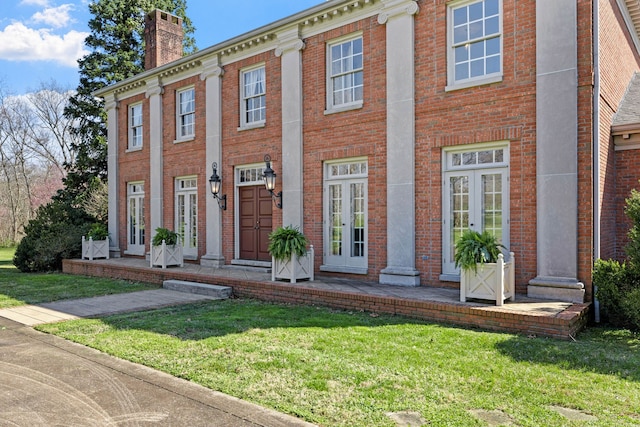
524,315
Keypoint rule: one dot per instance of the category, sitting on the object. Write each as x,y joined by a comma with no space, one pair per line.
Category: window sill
184,139
343,108
472,83
340,269
250,126
133,150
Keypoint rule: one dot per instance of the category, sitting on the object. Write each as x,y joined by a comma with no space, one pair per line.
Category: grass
338,368
17,288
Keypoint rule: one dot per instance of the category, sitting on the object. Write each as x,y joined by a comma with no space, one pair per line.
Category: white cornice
631,13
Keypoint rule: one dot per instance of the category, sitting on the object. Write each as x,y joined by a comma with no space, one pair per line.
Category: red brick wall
496,112
133,166
618,172
184,158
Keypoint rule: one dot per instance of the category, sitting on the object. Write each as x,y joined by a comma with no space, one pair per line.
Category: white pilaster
290,51
398,15
212,75
111,105
557,151
154,93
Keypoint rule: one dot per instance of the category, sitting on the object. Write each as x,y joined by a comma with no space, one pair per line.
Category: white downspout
596,150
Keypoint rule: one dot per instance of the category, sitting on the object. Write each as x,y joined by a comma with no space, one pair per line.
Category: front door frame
245,175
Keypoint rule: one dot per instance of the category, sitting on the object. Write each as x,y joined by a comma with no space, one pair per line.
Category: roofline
190,59
631,13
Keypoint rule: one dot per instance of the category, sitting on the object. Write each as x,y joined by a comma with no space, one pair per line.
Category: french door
345,236
187,214
135,219
476,200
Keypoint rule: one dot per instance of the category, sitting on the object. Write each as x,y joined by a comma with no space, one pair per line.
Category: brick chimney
162,38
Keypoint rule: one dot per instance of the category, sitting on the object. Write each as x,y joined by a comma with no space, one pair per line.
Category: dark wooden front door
255,223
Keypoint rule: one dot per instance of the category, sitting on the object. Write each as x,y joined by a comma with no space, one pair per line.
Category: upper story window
475,43
253,97
345,71
186,113
135,126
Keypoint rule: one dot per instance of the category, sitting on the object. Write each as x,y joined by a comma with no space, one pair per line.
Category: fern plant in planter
96,243
165,248
290,258
484,274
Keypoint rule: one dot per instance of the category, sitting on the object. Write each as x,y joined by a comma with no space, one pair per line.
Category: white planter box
166,255
95,248
492,281
293,269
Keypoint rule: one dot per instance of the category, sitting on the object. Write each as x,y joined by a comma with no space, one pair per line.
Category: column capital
154,87
394,8
289,40
211,68
111,102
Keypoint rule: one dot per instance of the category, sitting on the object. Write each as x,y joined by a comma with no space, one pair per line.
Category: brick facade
501,111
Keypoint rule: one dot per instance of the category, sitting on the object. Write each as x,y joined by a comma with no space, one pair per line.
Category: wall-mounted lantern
215,183
269,177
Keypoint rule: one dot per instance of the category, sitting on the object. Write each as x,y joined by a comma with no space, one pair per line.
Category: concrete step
222,292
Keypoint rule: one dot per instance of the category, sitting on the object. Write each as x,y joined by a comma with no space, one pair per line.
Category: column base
400,276
557,289
214,261
114,252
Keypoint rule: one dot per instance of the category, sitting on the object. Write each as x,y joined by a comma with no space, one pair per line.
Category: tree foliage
116,45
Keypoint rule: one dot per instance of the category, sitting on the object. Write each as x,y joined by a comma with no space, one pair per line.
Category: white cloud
57,17
41,3
20,43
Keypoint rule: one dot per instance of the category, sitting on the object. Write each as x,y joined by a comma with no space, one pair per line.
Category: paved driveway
48,381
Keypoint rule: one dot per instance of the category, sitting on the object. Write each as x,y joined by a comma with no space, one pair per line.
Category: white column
212,75
111,105
398,15
154,93
290,51
557,152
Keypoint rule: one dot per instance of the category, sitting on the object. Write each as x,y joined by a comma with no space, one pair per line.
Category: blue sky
41,40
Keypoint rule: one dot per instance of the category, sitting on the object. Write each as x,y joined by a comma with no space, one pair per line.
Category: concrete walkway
47,380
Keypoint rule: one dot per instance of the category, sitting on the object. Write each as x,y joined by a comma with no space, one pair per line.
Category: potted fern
484,274
96,243
290,258
166,249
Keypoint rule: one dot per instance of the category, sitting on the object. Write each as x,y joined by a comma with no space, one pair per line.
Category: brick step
222,292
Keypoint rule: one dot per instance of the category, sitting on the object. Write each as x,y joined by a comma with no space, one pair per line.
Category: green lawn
339,368
18,288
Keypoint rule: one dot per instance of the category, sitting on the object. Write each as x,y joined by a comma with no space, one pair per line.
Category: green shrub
287,241
473,248
98,231
169,237
54,234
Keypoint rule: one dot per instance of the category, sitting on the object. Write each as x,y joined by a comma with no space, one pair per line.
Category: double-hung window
186,113
135,126
345,70
253,97
475,43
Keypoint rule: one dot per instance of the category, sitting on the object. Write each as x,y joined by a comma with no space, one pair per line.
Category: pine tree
116,45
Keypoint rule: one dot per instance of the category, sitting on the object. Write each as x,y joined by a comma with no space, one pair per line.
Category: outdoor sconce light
215,183
269,177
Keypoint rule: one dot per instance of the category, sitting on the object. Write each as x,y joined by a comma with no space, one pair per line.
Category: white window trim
179,191
452,85
140,250
244,125
332,109
130,147
447,170
184,138
327,180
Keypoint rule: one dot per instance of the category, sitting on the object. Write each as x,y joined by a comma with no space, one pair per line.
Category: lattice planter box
166,255
294,268
92,249
491,281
